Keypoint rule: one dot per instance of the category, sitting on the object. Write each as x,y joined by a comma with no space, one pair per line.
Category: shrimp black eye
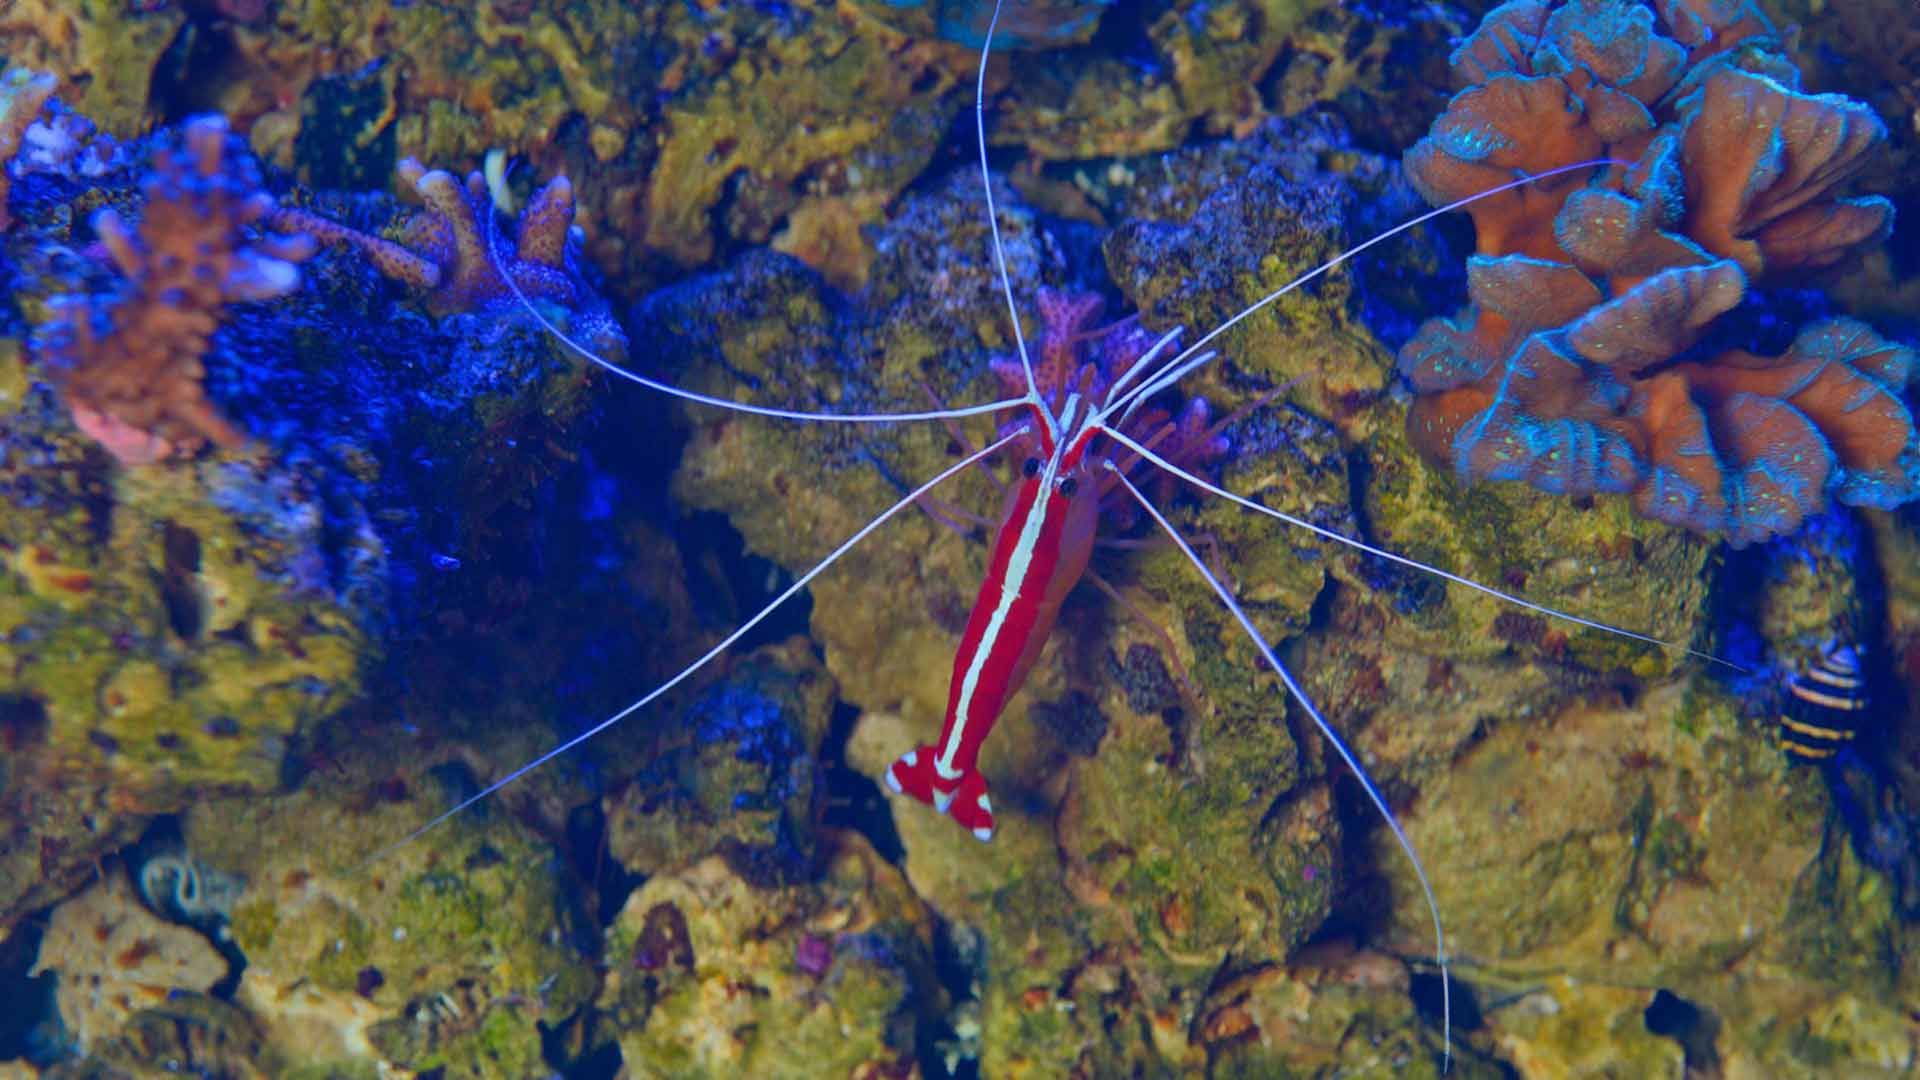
1068,486
1032,467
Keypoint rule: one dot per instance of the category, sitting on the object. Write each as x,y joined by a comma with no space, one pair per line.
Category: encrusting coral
128,367
1571,369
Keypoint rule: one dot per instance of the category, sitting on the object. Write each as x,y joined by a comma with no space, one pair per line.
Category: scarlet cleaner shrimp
1077,437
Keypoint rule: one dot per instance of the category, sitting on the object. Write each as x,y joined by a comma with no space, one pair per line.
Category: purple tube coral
1571,369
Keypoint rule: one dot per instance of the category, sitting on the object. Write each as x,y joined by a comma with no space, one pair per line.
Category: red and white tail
964,798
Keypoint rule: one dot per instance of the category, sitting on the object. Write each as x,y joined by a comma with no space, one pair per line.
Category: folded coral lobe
1508,127
1761,164
1577,366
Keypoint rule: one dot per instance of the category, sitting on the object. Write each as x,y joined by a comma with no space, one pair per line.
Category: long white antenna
1165,380
1146,360
993,222
1113,405
707,657
1383,553
499,268
1333,739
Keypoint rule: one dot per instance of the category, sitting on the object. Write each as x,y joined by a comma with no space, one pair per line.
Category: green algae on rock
709,976
1666,844
171,632
737,777
1028,24
189,1032
1208,61
443,953
103,50
1332,1009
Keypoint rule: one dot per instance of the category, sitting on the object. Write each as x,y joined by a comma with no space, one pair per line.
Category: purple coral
22,93
446,252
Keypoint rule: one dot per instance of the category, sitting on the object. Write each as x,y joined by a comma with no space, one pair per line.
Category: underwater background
311,531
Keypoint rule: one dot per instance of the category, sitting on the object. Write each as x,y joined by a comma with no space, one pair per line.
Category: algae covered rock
1661,844
104,51
1567,1027
1332,1009
683,128
736,773
176,625
1207,61
446,952
708,975
188,1033
166,631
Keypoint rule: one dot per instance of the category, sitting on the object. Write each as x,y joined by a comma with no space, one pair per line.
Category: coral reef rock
116,958
446,952
1031,24
708,976
735,774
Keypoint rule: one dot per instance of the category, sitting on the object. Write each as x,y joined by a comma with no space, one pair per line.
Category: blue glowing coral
1592,359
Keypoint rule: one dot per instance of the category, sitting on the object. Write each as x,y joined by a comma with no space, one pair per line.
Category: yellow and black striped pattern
1824,705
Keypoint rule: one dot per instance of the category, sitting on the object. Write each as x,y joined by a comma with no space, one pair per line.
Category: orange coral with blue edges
1571,369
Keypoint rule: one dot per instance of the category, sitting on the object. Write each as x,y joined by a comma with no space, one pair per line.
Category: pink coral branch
129,366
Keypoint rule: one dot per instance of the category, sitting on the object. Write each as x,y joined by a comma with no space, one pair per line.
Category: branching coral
22,92
445,252
1571,369
129,367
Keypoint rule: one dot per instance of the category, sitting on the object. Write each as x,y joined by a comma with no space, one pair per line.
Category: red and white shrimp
1079,435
